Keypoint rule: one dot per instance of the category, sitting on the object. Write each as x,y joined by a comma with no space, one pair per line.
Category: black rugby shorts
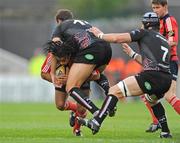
154,82
98,53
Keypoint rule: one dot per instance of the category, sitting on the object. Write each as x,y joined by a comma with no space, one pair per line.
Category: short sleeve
137,34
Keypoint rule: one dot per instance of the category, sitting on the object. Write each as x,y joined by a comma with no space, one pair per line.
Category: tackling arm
53,64
111,37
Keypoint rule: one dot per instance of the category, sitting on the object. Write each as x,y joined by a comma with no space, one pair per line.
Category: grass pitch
43,123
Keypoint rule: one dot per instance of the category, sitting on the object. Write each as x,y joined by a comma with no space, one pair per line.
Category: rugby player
153,81
169,29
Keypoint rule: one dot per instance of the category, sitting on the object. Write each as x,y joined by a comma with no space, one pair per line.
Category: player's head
60,49
64,60
150,20
160,7
63,14
160,2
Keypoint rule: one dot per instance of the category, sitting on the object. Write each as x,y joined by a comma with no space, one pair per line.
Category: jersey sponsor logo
171,33
147,85
89,57
83,39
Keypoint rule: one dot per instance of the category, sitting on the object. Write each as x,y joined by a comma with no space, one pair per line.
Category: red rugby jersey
169,29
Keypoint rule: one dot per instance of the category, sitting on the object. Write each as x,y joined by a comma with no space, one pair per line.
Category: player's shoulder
138,31
67,22
64,25
170,19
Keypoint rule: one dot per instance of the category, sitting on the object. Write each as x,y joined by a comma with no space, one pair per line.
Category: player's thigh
127,87
78,73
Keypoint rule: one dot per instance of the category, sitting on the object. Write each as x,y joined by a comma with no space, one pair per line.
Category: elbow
116,39
43,76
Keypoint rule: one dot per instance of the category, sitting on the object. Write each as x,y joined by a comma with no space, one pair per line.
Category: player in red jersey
169,29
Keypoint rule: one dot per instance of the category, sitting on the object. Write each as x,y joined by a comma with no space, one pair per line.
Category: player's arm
111,37
53,64
172,34
131,53
46,76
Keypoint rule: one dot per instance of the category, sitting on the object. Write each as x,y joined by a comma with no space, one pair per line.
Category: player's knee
114,90
42,75
60,106
120,90
70,87
151,99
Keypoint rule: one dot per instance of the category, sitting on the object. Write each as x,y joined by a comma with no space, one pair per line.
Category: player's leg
81,111
154,126
127,87
159,112
77,75
61,102
131,86
104,84
170,96
86,61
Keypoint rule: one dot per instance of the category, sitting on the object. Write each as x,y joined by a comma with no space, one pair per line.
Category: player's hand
62,79
55,81
127,49
97,32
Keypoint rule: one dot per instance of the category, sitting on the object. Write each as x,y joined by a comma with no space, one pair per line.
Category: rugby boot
113,112
91,124
72,118
165,135
153,127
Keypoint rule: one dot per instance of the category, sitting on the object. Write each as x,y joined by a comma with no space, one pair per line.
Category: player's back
77,31
156,49
74,26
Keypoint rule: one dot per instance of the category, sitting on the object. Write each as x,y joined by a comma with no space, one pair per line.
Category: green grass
43,123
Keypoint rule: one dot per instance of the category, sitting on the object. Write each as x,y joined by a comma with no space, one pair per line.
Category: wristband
133,54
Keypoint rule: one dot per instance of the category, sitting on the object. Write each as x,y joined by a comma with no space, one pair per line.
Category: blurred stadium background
26,25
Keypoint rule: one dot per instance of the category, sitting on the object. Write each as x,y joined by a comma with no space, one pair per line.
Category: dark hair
150,19
161,2
63,14
60,49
